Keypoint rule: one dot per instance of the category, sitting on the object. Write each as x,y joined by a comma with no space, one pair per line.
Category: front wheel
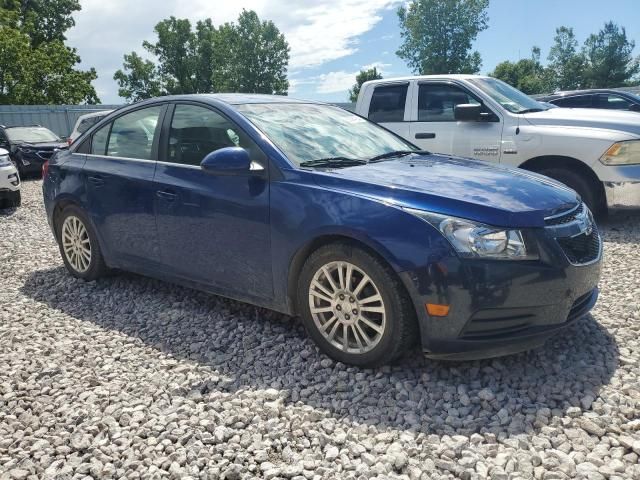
585,188
354,306
79,245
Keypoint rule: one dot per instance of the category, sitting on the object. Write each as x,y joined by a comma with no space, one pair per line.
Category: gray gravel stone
129,377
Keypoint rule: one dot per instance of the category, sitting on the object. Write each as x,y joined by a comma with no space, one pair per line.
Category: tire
393,316
585,188
16,200
74,227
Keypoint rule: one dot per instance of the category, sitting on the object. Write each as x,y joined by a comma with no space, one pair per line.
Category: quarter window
197,131
436,102
99,141
387,103
132,134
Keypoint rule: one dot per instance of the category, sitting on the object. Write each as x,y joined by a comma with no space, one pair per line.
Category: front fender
404,241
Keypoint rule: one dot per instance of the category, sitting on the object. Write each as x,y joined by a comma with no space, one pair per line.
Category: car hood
42,145
587,117
488,193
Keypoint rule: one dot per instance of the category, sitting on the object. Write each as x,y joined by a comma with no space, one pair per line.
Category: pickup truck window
510,98
436,102
387,103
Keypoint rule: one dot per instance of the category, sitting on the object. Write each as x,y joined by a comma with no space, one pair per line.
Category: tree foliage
361,77
566,62
249,56
438,34
37,67
527,75
610,62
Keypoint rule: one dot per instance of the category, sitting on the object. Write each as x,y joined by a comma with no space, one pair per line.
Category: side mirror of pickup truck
467,112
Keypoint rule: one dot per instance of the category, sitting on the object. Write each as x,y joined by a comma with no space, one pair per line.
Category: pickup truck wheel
583,186
354,306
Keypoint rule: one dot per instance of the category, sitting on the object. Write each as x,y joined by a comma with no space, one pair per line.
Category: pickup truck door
434,128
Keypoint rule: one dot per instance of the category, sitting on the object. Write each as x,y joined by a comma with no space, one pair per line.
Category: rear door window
579,101
132,135
388,103
612,102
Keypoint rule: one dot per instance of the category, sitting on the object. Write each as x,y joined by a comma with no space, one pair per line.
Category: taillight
45,168
69,141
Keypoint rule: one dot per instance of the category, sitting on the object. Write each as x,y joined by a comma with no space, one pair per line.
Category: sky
331,40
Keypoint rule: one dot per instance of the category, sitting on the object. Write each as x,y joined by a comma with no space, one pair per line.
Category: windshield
31,135
309,132
510,98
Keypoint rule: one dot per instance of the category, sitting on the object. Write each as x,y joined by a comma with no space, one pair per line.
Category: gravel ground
129,377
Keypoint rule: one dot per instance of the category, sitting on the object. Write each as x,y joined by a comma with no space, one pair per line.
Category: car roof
95,114
568,93
231,98
444,76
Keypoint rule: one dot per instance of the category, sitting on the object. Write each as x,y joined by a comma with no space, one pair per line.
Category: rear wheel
585,188
354,306
79,245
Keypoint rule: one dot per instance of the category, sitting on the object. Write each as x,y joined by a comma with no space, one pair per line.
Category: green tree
527,74
610,62
37,67
566,63
139,80
249,56
438,34
361,77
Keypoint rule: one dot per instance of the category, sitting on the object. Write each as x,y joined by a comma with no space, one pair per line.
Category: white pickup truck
595,152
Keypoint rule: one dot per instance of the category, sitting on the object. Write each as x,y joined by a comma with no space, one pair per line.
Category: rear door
118,175
434,127
212,229
390,106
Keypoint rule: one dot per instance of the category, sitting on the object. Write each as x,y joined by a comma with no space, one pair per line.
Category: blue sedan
313,211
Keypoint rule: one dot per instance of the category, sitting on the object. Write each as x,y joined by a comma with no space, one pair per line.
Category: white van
595,152
85,122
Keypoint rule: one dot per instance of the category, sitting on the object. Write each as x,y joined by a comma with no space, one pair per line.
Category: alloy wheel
347,307
76,244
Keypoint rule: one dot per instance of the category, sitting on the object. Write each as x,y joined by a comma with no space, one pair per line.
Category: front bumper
9,179
502,307
622,195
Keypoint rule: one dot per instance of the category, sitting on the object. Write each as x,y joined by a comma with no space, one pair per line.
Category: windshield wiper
396,153
531,110
334,162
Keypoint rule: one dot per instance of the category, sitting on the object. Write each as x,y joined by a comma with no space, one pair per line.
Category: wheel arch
303,253
538,164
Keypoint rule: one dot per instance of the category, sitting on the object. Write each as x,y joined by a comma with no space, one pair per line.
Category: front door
213,229
118,175
435,128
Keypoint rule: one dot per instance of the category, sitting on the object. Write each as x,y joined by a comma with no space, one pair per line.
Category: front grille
567,217
44,154
582,248
495,324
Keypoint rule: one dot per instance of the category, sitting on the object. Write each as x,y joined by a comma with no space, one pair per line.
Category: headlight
622,153
476,240
4,160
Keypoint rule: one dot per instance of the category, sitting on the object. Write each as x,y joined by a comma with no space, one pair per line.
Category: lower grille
582,248
488,324
579,306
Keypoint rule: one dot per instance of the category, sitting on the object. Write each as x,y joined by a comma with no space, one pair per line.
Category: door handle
96,180
168,196
423,136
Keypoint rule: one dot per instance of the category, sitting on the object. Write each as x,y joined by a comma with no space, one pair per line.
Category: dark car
29,146
313,211
600,98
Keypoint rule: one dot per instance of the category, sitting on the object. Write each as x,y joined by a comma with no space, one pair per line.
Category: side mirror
634,107
227,161
467,112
